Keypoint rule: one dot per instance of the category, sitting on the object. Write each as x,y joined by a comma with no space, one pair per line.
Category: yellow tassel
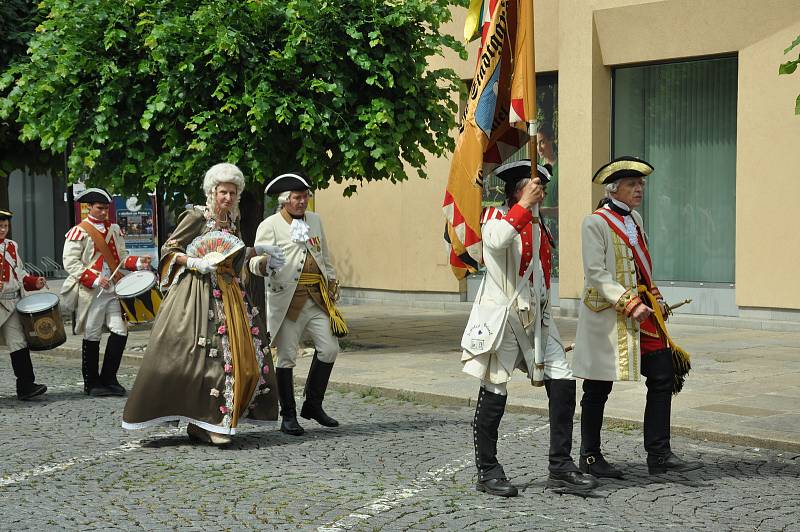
681,361
338,325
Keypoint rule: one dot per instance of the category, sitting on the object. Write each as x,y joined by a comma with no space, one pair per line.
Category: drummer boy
94,255
14,281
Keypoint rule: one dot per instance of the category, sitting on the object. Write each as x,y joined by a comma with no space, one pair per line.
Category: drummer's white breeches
104,310
317,324
13,333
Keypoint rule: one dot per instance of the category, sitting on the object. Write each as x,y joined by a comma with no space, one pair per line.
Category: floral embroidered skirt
207,361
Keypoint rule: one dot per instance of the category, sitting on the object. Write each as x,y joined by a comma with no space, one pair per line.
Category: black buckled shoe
116,388
572,480
289,425
597,466
98,390
316,413
661,464
497,486
29,390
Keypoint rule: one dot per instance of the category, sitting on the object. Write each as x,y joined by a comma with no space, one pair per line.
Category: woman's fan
215,246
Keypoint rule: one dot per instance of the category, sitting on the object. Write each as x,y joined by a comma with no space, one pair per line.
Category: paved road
391,466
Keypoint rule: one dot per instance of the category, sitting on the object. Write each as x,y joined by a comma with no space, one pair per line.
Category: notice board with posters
136,219
138,224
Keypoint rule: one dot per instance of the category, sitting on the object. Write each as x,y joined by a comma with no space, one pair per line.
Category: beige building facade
387,239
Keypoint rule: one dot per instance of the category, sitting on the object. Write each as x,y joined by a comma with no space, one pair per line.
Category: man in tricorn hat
621,330
300,298
15,281
94,252
512,234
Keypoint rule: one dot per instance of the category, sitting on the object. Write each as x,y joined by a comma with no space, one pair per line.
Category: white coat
280,285
502,255
84,264
607,341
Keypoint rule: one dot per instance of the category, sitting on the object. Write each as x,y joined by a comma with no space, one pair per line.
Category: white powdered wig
283,197
223,173
614,186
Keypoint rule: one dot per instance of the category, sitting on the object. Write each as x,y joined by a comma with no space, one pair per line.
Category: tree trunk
251,207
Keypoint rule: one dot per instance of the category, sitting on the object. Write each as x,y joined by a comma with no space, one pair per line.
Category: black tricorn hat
292,181
5,215
93,195
622,167
513,172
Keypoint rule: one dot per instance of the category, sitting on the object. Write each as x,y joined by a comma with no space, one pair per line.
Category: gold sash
338,325
243,351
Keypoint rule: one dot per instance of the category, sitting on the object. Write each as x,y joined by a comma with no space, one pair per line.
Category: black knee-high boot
657,367
316,384
23,371
488,413
115,346
593,403
90,360
561,409
289,424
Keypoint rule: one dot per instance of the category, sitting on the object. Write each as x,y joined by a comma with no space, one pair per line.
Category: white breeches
104,310
508,356
317,324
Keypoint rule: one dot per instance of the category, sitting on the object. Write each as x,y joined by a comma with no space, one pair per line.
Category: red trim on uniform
647,342
527,248
130,263
29,282
519,217
87,278
632,304
545,255
75,234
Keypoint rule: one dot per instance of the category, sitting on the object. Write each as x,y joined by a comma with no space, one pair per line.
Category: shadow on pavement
274,438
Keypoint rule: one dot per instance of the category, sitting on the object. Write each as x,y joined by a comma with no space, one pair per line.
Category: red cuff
88,278
29,283
519,217
631,306
130,263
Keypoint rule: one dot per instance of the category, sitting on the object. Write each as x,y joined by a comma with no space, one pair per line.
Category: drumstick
111,277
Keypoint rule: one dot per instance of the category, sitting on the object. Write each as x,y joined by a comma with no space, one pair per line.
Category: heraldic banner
497,121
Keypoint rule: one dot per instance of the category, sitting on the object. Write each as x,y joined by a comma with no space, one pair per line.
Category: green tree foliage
18,19
789,67
147,92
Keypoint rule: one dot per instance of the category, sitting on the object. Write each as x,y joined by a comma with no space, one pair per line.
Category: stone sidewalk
744,387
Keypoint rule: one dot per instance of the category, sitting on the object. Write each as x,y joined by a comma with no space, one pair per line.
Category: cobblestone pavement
391,466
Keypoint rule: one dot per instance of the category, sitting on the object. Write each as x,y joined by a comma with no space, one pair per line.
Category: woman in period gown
208,361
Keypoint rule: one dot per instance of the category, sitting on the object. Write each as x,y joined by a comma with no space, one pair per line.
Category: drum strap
101,246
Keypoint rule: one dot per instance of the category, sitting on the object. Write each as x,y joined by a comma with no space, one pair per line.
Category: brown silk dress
208,360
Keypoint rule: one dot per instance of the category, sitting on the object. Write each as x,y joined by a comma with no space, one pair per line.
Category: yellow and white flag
499,116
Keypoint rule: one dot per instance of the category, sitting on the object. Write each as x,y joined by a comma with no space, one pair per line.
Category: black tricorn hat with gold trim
622,167
5,215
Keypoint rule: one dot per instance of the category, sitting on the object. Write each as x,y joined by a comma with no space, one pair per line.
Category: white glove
268,249
276,262
200,265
